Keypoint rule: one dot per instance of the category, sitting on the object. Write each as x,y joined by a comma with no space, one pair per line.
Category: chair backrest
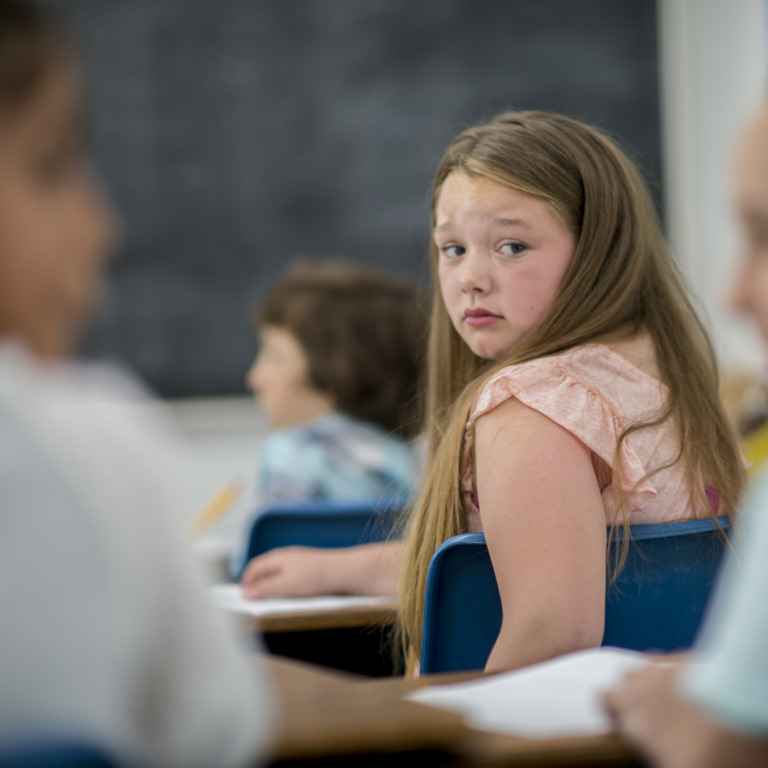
322,524
656,603
52,755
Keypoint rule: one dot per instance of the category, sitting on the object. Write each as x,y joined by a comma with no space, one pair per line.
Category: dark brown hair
32,46
364,335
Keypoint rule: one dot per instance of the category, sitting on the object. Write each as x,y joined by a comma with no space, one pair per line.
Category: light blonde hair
621,281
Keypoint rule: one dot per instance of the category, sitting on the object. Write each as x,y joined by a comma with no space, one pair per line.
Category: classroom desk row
355,639
334,717
337,718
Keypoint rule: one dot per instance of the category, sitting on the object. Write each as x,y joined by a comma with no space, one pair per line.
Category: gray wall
235,135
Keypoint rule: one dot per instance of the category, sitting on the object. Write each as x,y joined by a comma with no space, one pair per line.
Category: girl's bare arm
544,523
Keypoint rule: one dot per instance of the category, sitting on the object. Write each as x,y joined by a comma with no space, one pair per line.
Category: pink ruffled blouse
595,394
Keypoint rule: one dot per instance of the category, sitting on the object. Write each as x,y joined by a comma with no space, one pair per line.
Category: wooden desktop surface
336,618
327,713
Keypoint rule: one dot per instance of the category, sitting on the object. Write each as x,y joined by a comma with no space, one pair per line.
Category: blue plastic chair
322,524
656,603
50,755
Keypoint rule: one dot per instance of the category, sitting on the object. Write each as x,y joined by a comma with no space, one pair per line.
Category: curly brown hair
364,334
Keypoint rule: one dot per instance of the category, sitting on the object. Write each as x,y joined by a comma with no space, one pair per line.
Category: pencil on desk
215,508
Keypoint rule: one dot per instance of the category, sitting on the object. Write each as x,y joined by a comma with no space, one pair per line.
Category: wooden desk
356,639
349,633
330,714
380,615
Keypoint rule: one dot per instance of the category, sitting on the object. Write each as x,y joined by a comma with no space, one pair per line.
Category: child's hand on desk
640,705
288,572
674,733
366,569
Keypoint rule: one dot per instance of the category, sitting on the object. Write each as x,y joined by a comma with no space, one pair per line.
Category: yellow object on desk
755,448
222,500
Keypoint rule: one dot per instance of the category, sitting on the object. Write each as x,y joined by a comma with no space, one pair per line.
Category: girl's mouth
480,317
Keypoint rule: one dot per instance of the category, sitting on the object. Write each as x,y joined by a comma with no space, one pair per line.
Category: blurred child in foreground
715,713
106,634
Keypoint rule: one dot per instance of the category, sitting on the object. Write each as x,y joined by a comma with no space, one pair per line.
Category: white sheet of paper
229,598
560,697
212,547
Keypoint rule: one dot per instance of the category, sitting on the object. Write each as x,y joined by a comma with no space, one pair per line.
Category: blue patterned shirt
335,458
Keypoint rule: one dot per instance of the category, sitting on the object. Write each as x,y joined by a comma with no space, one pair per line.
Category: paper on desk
229,598
560,697
213,548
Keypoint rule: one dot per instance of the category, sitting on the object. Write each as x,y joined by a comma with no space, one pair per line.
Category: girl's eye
453,251
513,249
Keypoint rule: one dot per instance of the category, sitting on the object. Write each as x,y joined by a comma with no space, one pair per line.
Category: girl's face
279,377
502,259
55,228
750,290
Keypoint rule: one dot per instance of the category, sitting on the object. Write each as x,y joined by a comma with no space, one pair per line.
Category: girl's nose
474,276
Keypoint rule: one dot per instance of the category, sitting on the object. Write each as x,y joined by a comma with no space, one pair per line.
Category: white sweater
106,635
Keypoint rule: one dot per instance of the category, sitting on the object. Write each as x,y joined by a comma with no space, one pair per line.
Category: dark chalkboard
236,135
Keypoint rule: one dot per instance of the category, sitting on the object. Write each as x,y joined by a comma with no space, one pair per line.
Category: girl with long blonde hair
571,388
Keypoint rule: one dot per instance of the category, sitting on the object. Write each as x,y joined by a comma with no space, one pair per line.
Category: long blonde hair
622,280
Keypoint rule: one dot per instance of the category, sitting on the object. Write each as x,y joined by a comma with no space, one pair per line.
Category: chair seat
53,755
